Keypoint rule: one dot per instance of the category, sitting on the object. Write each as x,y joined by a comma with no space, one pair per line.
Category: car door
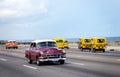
33,51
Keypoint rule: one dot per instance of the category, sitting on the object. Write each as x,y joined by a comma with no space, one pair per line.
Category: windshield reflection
47,44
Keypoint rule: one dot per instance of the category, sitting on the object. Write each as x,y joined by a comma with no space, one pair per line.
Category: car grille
52,56
87,45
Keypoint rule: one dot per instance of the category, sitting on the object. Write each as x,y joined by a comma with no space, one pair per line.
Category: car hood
50,50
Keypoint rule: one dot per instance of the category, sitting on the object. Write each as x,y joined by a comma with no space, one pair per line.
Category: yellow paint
61,43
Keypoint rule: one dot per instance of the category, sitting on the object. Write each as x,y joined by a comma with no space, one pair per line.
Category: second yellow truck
85,43
93,44
61,43
98,44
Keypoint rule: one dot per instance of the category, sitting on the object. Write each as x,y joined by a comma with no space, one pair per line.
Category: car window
33,45
100,40
60,41
66,41
87,40
47,44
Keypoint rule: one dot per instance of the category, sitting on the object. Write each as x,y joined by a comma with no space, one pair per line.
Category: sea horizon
109,39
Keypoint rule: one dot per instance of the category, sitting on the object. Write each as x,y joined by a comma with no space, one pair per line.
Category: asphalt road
78,64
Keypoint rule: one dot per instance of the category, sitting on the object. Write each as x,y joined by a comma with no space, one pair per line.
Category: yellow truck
98,44
85,43
61,43
66,44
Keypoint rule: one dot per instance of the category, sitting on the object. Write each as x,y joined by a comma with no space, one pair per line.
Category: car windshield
66,41
47,44
60,41
87,40
100,40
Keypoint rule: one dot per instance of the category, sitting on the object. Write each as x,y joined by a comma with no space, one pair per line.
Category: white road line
2,59
118,59
30,67
76,63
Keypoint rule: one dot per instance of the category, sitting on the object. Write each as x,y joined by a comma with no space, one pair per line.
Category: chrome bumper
52,59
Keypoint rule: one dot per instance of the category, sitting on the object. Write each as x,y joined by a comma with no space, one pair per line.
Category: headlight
41,52
63,51
63,55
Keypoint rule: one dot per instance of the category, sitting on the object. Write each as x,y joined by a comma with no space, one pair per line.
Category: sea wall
71,44
112,43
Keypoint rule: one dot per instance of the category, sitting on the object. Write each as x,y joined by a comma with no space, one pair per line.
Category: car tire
38,62
62,62
94,50
29,61
82,49
89,49
103,50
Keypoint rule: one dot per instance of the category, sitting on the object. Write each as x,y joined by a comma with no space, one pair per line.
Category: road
78,64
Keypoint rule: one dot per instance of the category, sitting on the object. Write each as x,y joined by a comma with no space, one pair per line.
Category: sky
36,19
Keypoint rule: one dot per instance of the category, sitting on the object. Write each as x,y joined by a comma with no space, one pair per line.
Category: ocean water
109,39
113,38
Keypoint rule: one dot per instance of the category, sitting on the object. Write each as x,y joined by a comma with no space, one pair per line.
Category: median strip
30,67
2,59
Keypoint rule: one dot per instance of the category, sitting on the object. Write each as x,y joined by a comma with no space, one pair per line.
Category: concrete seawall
111,46
112,43
72,44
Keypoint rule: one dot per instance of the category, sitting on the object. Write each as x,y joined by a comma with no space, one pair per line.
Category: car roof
45,40
11,40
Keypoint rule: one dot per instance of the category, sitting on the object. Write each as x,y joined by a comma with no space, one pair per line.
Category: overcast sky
34,19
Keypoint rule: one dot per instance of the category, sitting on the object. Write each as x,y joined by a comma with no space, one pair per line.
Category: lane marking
91,57
2,59
30,67
14,54
118,59
76,63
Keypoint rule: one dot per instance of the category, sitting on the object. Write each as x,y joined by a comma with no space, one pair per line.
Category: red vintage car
44,51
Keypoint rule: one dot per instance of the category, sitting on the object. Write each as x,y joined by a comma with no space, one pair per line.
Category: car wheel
81,49
103,50
29,61
38,62
67,47
62,62
90,49
94,50
14,47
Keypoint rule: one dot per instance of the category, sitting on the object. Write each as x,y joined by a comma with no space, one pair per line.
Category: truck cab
98,44
61,43
85,43
66,44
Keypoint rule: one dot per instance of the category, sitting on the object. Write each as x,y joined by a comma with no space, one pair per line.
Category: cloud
18,8
7,12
